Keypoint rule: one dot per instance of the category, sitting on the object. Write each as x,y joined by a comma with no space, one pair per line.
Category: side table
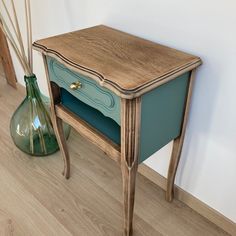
127,95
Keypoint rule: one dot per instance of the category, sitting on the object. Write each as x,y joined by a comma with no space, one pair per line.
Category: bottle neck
32,89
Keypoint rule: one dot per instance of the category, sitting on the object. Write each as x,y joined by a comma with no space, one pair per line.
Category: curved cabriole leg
178,144
54,92
175,156
58,128
129,157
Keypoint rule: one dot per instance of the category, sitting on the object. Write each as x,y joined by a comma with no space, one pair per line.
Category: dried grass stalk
10,38
29,32
18,44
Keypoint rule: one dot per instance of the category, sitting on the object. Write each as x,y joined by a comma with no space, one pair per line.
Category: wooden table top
119,61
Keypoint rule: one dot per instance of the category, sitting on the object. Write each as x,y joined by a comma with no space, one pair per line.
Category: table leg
58,128
178,144
54,92
174,161
130,127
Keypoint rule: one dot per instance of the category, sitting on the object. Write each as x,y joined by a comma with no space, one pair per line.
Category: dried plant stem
18,28
19,33
29,32
8,35
11,21
42,141
17,42
30,36
9,17
31,127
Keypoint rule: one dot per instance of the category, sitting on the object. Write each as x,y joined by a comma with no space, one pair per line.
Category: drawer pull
75,85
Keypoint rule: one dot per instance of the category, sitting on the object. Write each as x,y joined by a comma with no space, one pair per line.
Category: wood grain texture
54,92
111,149
127,65
130,136
7,61
178,144
123,63
37,200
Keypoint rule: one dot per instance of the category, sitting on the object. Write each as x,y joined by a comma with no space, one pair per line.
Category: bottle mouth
30,78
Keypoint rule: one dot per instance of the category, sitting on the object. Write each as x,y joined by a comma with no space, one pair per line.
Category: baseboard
191,201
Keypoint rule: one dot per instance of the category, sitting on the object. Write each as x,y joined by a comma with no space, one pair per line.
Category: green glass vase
31,127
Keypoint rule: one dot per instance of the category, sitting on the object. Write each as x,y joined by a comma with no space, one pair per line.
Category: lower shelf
95,118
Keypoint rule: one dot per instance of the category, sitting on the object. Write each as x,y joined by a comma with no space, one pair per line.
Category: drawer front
90,92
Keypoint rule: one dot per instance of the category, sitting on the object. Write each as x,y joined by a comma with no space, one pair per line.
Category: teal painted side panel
161,115
90,93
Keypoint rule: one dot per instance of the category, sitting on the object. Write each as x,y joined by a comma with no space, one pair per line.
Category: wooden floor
36,200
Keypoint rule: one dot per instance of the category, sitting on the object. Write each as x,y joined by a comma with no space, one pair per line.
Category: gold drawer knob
75,85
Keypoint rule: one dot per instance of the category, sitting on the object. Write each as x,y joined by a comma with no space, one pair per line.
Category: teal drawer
91,93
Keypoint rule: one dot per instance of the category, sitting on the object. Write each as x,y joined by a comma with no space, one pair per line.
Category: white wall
202,27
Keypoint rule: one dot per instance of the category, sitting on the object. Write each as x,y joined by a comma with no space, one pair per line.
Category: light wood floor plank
82,206
37,200
150,201
22,212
